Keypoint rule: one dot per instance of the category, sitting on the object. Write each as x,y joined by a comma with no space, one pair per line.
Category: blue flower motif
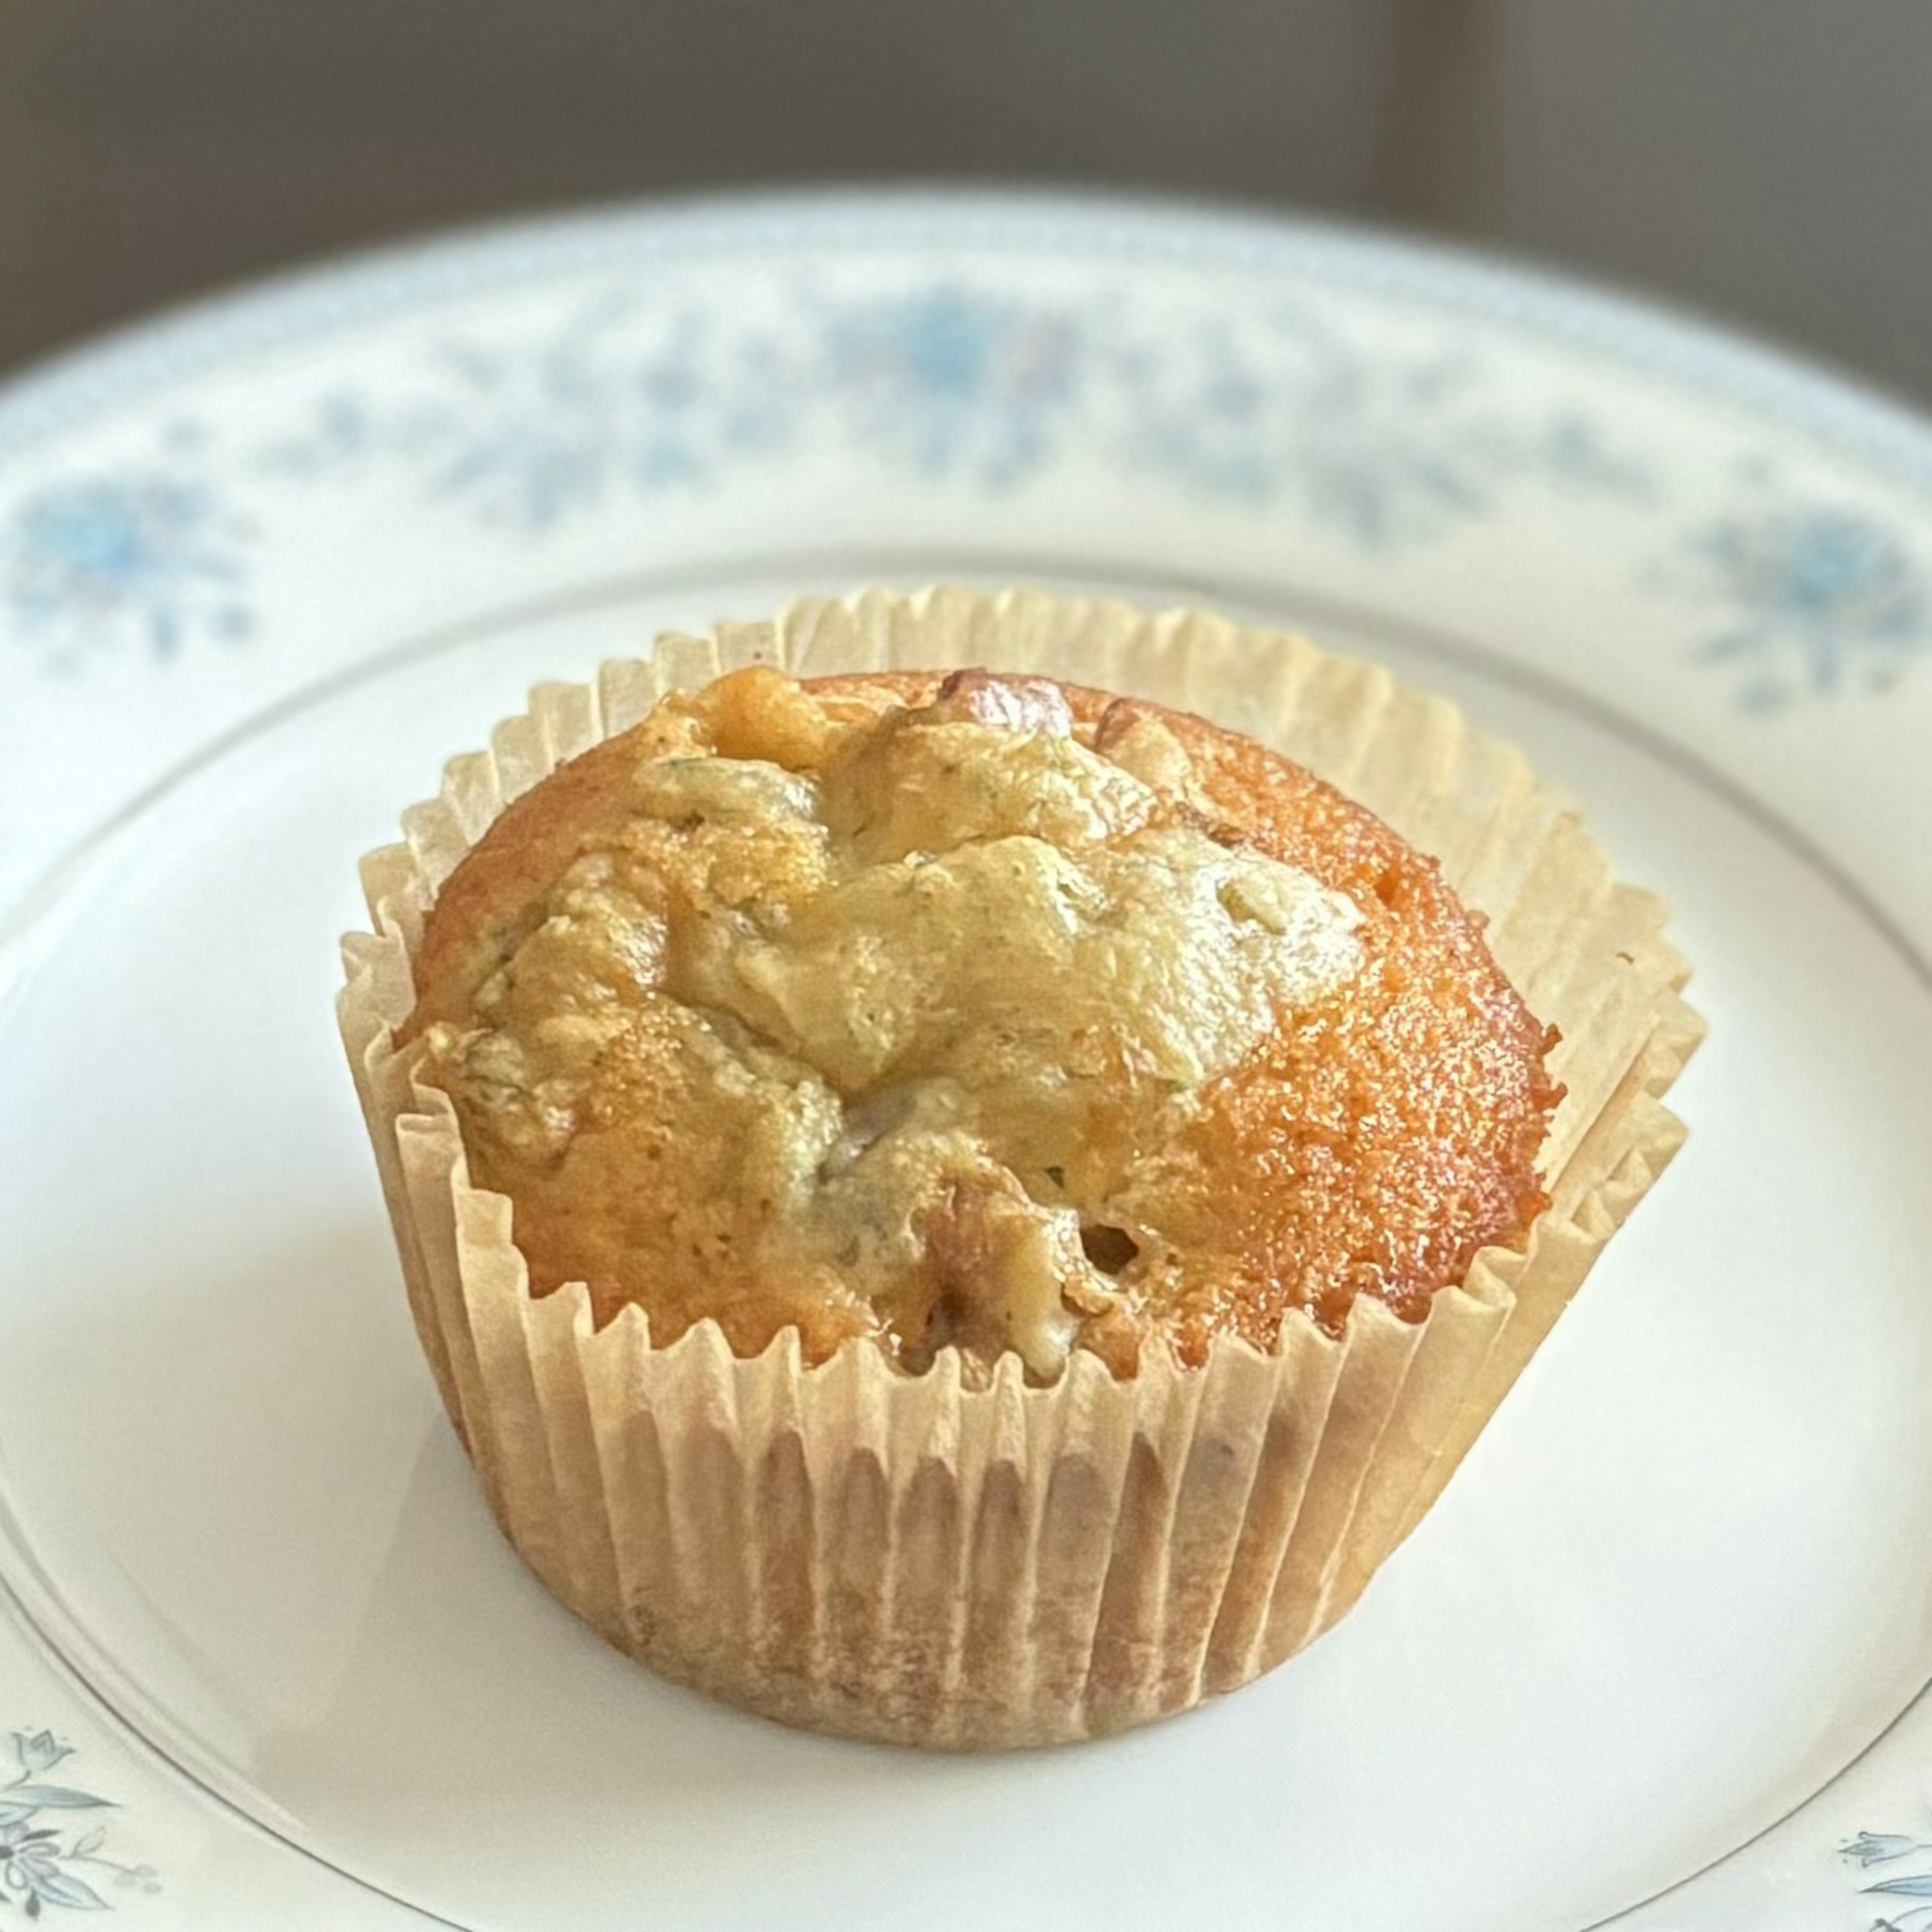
1381,445
41,1865
959,382
153,554
1384,449
956,381
38,1753
1816,596
1875,1848
529,434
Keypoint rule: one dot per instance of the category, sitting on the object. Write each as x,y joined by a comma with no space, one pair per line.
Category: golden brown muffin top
985,1011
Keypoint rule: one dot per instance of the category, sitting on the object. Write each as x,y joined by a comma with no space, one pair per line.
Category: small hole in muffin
1109,1249
1389,887
947,1322
949,1314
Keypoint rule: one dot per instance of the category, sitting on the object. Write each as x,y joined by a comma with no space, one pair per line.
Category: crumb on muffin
978,1012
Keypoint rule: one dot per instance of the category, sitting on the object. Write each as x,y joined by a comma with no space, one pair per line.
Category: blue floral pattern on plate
153,553
1386,451
526,435
1882,1848
954,381
1815,598
1281,410
47,1858
946,381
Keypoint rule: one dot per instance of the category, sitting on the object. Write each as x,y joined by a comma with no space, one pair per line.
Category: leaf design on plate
60,1888
1919,1885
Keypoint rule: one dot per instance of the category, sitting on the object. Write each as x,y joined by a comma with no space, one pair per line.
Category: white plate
261,568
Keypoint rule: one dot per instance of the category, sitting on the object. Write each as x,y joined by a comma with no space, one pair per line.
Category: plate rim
1851,416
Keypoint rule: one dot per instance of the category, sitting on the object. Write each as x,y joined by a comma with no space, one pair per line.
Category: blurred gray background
1767,160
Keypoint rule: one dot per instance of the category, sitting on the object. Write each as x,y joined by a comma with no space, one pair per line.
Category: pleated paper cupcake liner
859,1550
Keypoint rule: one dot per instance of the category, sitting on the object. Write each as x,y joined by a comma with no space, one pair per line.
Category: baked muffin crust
981,1012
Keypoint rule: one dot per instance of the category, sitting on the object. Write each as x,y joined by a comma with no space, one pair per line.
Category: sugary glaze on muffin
985,1011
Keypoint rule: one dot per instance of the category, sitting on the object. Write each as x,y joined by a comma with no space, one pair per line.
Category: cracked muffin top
976,1011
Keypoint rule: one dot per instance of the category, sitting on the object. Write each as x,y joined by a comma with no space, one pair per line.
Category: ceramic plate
264,565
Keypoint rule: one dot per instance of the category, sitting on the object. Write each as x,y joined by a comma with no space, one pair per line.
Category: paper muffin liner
859,1550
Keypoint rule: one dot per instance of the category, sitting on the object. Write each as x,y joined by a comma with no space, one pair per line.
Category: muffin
972,1204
